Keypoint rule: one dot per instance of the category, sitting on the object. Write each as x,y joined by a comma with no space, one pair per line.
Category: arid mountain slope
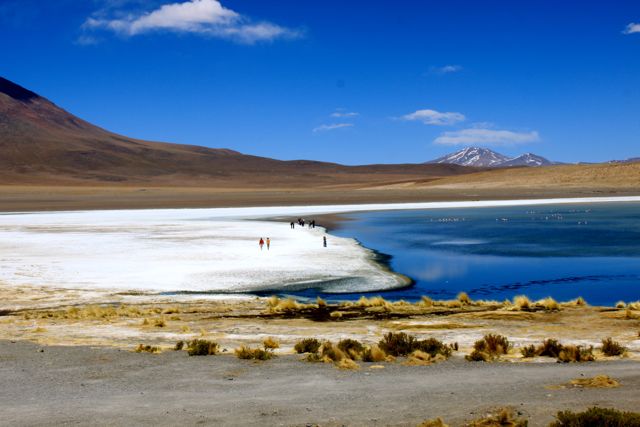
41,143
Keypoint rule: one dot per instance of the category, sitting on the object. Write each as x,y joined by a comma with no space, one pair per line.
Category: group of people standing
262,243
301,222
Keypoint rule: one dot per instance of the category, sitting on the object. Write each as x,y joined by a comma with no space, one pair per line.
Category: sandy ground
40,198
98,386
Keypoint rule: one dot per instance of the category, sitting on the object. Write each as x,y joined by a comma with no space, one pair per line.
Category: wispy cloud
446,69
433,117
205,17
333,126
486,137
632,28
345,114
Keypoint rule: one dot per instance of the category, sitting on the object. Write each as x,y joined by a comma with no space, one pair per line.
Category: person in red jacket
261,243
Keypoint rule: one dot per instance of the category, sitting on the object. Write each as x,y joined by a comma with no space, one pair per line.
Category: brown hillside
40,143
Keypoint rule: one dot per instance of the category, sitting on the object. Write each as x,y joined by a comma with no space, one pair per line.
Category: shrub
604,417
434,347
160,323
248,353
331,353
572,353
270,343
202,348
529,351
478,356
397,343
307,345
402,344
612,348
489,347
147,349
351,348
373,354
550,347
179,345
621,304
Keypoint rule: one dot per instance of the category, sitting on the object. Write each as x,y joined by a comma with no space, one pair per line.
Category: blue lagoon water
562,251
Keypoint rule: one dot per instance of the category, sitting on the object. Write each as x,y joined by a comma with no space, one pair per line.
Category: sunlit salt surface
180,250
201,250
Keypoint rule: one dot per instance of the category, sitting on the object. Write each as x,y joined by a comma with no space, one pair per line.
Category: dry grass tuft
270,343
549,304
347,363
529,351
436,422
521,302
621,304
578,302
351,348
464,299
147,349
202,348
401,344
425,301
179,345
572,353
490,347
504,417
159,323
550,348
248,353
307,345
276,305
599,381
605,417
612,348
374,354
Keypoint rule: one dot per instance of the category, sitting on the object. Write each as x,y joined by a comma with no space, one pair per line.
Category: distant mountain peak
484,157
15,91
473,156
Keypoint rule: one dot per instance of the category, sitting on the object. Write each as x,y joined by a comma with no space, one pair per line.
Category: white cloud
632,28
333,126
446,69
433,117
345,114
207,17
486,137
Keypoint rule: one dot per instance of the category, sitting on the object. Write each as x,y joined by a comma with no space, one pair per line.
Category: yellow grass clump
464,299
347,363
504,417
578,302
147,349
436,422
270,343
425,301
521,302
599,381
549,304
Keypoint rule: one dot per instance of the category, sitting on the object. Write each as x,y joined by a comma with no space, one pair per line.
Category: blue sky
350,82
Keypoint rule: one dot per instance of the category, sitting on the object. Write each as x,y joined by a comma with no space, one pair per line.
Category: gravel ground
105,386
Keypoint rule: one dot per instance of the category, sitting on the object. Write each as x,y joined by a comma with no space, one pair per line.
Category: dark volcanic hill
42,143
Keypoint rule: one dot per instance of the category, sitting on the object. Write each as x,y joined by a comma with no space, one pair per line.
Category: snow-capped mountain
473,156
484,157
528,159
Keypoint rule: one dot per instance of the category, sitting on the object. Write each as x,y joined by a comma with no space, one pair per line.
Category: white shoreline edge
270,211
